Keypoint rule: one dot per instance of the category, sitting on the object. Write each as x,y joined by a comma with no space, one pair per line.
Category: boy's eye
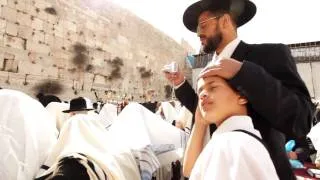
212,88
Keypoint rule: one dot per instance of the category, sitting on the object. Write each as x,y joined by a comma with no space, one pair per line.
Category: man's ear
242,100
226,20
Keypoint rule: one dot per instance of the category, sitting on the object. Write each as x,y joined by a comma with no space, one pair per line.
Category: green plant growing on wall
89,68
80,58
49,87
116,65
144,73
51,10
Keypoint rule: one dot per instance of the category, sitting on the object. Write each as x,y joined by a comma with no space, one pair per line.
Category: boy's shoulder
234,139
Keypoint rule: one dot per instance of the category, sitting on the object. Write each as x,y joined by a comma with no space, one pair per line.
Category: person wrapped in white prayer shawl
170,113
27,133
235,150
136,127
55,109
314,136
108,114
85,143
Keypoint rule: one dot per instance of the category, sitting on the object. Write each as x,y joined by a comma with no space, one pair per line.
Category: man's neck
224,43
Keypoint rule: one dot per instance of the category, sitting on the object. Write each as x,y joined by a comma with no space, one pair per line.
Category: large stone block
57,44
60,63
37,24
9,13
38,36
23,19
70,26
36,47
48,27
51,72
12,29
21,6
48,39
3,24
26,66
53,19
25,32
3,2
58,30
12,3
90,25
41,4
14,42
1,40
7,55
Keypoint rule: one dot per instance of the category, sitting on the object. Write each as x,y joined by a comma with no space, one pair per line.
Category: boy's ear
242,100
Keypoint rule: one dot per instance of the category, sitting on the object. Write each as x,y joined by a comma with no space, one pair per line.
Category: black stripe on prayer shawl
45,167
44,177
91,165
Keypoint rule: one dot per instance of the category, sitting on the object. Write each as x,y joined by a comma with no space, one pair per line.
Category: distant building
307,57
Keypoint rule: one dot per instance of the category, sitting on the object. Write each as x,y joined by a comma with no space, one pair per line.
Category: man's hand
175,78
226,68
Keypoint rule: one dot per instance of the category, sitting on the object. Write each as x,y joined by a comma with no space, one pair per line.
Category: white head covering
170,113
107,114
55,109
142,128
314,136
136,127
185,117
27,133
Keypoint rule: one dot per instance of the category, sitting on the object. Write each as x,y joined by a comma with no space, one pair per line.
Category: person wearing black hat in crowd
79,106
265,74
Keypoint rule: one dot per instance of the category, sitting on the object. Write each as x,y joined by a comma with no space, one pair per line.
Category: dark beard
213,43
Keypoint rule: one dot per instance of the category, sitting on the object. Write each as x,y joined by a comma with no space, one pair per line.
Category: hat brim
71,110
192,13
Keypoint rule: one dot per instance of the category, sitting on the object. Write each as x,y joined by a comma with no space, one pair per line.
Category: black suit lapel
241,52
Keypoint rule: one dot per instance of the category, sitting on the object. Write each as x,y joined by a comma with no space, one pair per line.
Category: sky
276,21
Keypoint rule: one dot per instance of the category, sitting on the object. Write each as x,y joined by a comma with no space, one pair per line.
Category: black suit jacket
279,102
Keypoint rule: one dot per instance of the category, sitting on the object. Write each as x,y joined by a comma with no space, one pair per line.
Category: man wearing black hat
266,74
79,105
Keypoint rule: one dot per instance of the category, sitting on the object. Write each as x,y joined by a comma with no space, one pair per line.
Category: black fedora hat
78,104
244,10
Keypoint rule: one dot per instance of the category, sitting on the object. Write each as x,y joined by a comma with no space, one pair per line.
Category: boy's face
217,100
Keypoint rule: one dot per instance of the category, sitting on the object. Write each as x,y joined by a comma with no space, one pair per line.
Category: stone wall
82,47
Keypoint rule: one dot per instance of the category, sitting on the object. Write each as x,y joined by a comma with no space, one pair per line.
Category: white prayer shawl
107,114
82,134
234,155
170,113
185,117
314,136
27,133
137,127
55,109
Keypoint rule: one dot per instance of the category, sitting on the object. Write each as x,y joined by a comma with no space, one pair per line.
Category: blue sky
276,21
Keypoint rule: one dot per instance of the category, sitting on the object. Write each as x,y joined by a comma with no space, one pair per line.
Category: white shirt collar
227,51
233,123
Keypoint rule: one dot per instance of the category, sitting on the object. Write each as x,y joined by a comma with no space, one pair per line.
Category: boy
235,150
